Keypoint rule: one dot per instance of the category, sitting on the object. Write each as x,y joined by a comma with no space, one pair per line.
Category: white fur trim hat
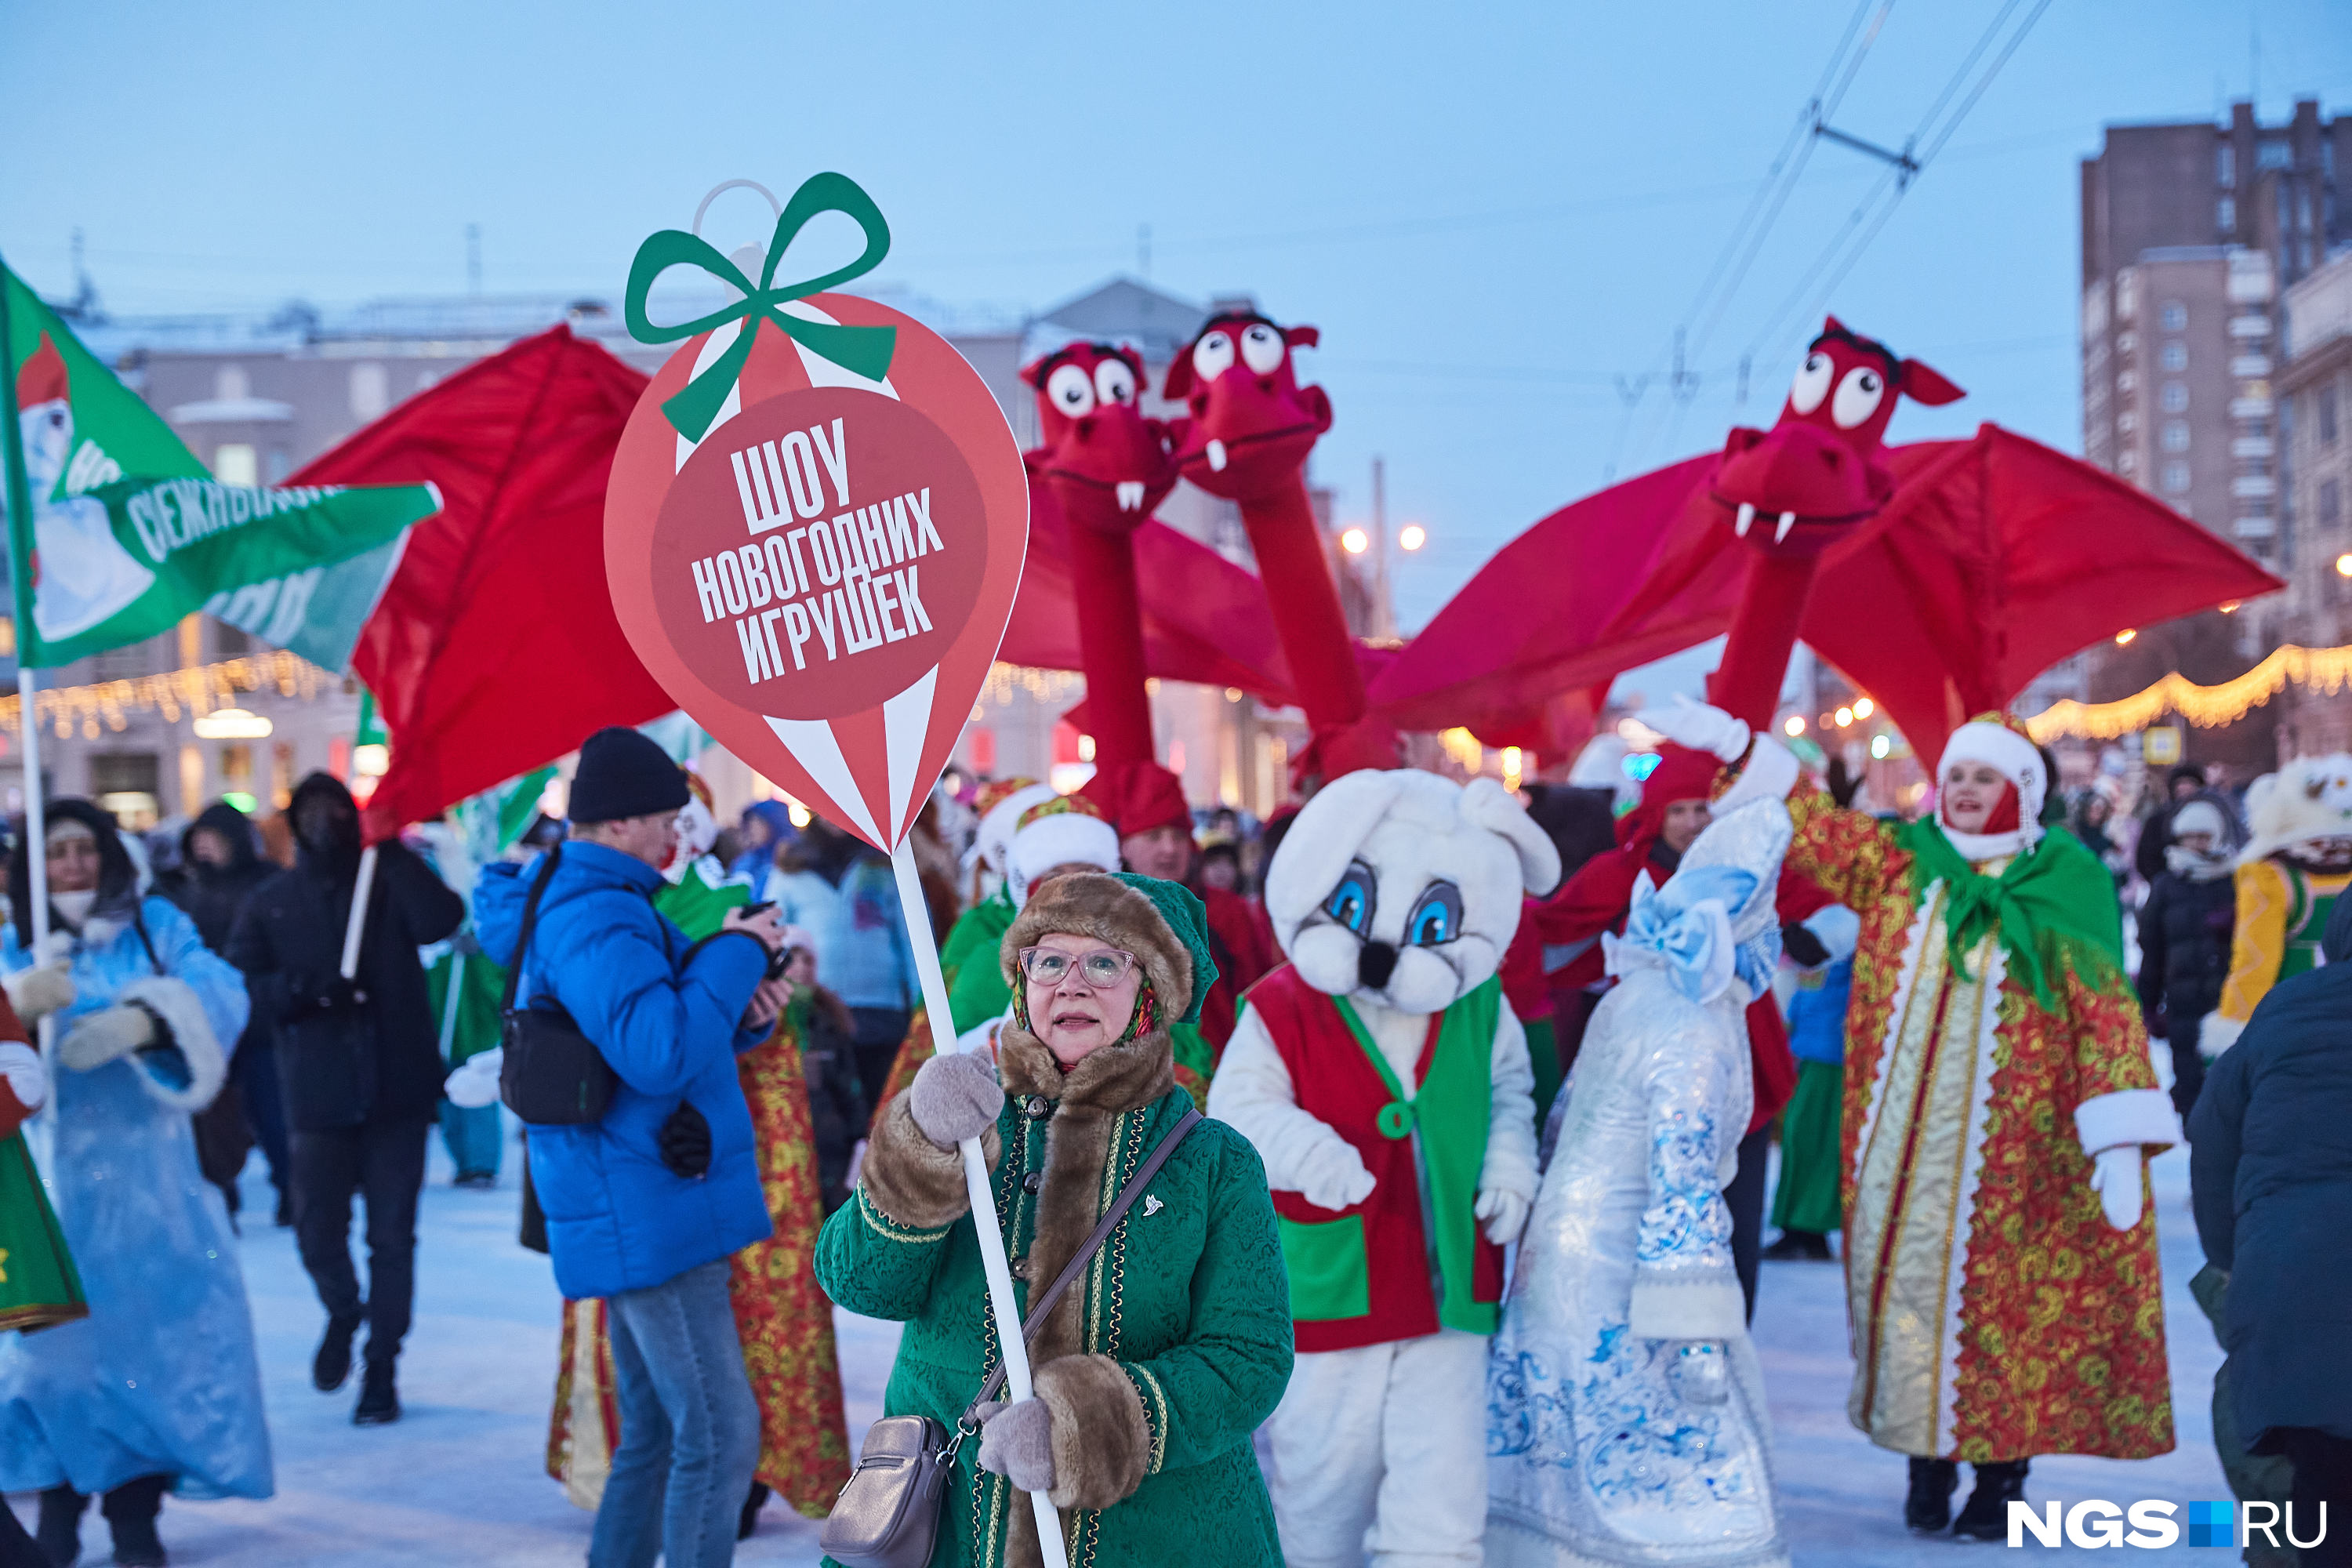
2000,741
1061,830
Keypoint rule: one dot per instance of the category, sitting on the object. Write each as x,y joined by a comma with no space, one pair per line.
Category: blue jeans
689,1427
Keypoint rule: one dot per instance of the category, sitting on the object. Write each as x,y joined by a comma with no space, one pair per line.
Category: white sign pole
993,1262
36,851
356,927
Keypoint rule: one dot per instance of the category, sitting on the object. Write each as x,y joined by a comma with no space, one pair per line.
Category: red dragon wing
1601,585
1997,557
1205,618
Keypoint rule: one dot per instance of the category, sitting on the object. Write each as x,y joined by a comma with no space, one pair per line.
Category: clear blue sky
1490,211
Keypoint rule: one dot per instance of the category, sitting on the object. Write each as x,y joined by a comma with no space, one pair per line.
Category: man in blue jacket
646,1207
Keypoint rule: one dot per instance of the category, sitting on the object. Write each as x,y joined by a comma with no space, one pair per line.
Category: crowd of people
1472,1233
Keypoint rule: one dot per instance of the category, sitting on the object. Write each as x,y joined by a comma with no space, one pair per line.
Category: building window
2127,421
2273,152
2176,435
2331,503
2176,478
2225,164
2176,397
2174,356
2175,316
237,463
281,463
2225,215
371,391
2325,410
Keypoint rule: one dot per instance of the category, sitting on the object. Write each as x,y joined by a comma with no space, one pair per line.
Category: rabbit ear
1486,804
1330,828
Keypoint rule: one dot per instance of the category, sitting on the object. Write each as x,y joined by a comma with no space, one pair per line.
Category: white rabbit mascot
1385,1083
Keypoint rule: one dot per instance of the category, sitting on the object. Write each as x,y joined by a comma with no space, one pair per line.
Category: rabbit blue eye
1352,901
1436,917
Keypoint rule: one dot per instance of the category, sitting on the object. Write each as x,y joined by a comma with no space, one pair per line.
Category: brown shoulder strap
1084,1254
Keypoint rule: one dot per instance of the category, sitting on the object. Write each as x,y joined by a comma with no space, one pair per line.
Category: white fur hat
1999,741
2310,798
1061,830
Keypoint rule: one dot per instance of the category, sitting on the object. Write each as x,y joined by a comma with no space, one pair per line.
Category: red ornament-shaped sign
822,578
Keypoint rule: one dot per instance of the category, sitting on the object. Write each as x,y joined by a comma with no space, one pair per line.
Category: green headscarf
2058,887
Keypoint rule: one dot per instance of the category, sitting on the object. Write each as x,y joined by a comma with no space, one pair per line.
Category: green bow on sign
862,350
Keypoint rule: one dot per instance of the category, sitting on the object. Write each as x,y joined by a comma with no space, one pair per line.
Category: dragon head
1822,469
1107,463
1250,425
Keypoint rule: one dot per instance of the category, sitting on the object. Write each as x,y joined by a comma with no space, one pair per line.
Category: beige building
2314,391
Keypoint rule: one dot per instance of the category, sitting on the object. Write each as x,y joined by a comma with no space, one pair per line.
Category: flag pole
917,916
35,849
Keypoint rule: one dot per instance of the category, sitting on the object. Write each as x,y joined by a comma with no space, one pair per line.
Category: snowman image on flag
82,573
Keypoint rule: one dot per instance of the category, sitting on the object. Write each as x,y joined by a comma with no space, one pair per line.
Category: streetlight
1795,726
1413,536
1355,541
1864,707
2343,564
1844,718
2123,638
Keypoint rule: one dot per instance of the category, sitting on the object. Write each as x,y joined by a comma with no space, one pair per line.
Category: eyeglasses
1100,970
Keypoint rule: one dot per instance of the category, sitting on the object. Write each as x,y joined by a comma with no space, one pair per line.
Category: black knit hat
623,773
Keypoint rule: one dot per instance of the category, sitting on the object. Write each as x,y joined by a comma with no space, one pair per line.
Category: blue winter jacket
617,1218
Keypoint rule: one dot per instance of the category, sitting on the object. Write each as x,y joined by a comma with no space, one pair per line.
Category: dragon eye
1071,391
1114,383
1812,383
1436,917
1858,397
1262,349
1212,357
1351,903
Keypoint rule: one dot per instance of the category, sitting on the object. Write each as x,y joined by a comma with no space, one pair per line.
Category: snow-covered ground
462,1477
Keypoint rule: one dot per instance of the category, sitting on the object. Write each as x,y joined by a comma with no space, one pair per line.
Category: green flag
127,533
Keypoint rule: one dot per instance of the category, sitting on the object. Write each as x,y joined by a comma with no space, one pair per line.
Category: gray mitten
953,1098
1016,1441
106,1035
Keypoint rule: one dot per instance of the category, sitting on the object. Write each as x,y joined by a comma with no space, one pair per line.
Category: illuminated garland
2325,670
198,687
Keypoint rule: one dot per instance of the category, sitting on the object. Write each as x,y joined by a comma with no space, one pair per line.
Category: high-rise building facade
2314,391
2191,234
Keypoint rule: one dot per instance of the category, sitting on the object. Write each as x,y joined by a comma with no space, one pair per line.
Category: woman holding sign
1150,1378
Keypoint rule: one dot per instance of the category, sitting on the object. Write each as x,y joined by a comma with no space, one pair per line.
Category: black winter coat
2271,1174
2184,943
214,896
372,1051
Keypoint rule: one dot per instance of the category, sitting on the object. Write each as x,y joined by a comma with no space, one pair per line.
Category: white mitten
38,993
20,1064
1698,1371
2114,1176
476,1082
1699,727
1504,1214
1332,1175
108,1034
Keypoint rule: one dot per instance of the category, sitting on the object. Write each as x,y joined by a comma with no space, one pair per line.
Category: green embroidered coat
1159,1363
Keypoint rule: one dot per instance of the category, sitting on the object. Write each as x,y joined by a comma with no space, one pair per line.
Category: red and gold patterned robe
1995,1313
785,1321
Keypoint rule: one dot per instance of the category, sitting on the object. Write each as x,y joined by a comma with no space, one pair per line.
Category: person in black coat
359,1063
2185,783
220,866
2185,928
2271,1176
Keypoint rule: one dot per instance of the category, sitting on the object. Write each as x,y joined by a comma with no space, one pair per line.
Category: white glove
20,1064
105,1035
1699,727
1698,1371
38,993
1332,1175
476,1082
1504,1213
2116,1177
